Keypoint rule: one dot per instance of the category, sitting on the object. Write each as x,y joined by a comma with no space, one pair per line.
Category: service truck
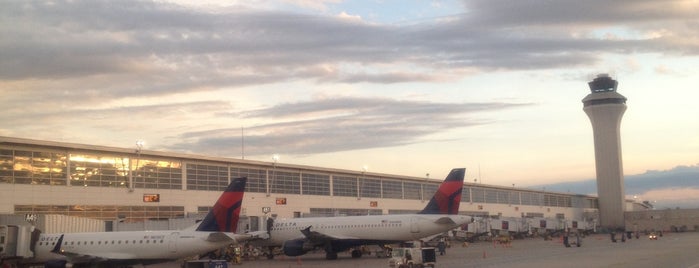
412,257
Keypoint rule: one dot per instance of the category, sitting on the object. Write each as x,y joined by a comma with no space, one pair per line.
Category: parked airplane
148,247
335,234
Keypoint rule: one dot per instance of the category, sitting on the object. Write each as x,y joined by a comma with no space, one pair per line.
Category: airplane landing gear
356,253
270,255
331,255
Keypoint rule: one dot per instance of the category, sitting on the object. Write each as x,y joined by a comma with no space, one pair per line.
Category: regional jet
335,234
149,247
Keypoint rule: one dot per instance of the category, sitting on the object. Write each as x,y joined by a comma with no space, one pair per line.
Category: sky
412,88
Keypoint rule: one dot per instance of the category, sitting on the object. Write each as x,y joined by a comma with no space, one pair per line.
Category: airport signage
30,217
150,198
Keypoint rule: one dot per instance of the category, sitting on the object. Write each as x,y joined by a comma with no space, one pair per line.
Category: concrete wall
253,203
663,220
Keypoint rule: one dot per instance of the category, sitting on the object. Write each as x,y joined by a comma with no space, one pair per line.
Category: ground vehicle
206,264
572,238
412,257
653,236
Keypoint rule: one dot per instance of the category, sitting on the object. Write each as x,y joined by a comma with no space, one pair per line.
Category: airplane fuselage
387,228
134,247
148,247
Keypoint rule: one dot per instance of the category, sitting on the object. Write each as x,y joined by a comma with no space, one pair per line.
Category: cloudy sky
403,87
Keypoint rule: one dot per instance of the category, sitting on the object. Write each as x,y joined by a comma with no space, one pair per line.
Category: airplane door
414,227
172,242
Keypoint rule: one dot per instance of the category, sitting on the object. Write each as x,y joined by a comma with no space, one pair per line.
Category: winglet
226,212
448,197
57,248
306,232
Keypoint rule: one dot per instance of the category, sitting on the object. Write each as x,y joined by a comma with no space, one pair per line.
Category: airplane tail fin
225,214
448,197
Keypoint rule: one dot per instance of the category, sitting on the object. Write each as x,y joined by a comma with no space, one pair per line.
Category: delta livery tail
226,212
448,197
336,234
217,230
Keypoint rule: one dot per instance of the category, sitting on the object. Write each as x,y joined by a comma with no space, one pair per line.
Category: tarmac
671,250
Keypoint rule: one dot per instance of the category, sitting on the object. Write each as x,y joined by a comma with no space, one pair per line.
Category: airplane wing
233,237
220,237
337,242
332,243
79,258
445,220
319,238
256,235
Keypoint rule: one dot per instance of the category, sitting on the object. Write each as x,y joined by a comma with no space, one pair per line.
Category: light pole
275,159
422,187
361,180
139,147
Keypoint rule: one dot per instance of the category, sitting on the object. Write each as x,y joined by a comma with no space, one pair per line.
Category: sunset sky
403,87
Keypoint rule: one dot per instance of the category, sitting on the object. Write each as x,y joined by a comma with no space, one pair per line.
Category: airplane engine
296,247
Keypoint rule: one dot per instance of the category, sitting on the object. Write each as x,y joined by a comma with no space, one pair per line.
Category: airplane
336,234
149,247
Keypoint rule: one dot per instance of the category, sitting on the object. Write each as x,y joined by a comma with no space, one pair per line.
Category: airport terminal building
132,185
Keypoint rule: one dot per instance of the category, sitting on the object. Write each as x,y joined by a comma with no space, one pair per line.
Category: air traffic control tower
605,107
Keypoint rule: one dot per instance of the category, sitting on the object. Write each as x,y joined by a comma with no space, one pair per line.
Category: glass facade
314,184
503,197
412,190
557,201
370,188
50,166
7,166
344,186
337,212
403,211
203,210
466,195
207,177
285,182
157,174
429,190
257,179
113,212
478,195
33,167
392,189
531,199
98,171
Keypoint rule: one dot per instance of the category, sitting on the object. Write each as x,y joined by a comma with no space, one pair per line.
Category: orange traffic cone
485,255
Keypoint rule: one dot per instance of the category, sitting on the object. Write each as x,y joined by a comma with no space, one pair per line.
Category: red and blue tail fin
448,197
226,212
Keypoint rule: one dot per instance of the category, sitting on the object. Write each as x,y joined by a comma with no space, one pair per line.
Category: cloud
313,4
343,15
671,188
180,49
107,124
339,124
67,65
